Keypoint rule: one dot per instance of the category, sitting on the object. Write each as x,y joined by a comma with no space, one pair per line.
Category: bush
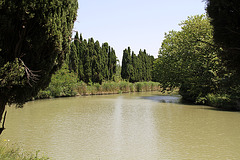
217,100
63,84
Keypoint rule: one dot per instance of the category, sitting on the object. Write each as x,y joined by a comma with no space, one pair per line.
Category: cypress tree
141,65
104,64
126,64
96,64
134,73
112,62
87,66
34,40
81,58
73,59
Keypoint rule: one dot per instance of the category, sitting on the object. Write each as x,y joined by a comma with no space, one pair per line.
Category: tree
104,57
96,64
87,66
81,51
225,17
126,64
34,39
188,59
134,74
112,62
73,59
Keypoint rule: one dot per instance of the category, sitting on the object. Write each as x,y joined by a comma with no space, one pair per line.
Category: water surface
142,126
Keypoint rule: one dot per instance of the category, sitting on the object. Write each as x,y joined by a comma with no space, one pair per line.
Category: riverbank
108,87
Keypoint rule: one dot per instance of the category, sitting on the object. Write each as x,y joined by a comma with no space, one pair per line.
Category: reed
111,87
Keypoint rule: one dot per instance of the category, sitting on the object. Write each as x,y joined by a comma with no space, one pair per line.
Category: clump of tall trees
136,68
92,62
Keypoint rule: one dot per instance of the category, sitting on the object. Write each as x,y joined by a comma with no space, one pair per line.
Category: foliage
63,84
34,38
217,100
136,68
92,62
225,17
126,64
188,60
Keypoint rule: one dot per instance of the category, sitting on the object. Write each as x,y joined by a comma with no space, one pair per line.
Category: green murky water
142,126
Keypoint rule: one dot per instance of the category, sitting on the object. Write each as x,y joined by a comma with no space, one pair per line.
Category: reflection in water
118,124
124,127
165,99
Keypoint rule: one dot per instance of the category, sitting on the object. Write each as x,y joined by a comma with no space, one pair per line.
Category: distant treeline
137,68
94,63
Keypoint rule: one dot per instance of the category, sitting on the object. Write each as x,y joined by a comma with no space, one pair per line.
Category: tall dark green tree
34,38
225,18
112,62
87,66
104,63
142,65
81,51
134,74
97,76
126,64
73,59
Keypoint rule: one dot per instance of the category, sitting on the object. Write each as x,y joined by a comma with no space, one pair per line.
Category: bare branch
4,118
31,76
232,31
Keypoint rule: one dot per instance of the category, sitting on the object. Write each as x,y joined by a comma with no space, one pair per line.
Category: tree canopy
225,18
35,36
188,60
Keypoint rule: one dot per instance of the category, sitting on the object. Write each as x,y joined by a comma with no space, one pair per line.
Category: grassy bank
14,153
116,88
108,87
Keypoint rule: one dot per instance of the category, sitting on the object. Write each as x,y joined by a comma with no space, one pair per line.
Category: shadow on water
178,100
166,99
224,109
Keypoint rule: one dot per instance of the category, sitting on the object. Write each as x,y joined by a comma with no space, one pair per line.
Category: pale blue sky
140,24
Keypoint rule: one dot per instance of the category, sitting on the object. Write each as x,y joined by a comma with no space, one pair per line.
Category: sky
140,24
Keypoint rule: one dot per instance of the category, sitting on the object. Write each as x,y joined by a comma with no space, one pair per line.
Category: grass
15,153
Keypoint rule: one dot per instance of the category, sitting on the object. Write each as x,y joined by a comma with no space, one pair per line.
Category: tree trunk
3,103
